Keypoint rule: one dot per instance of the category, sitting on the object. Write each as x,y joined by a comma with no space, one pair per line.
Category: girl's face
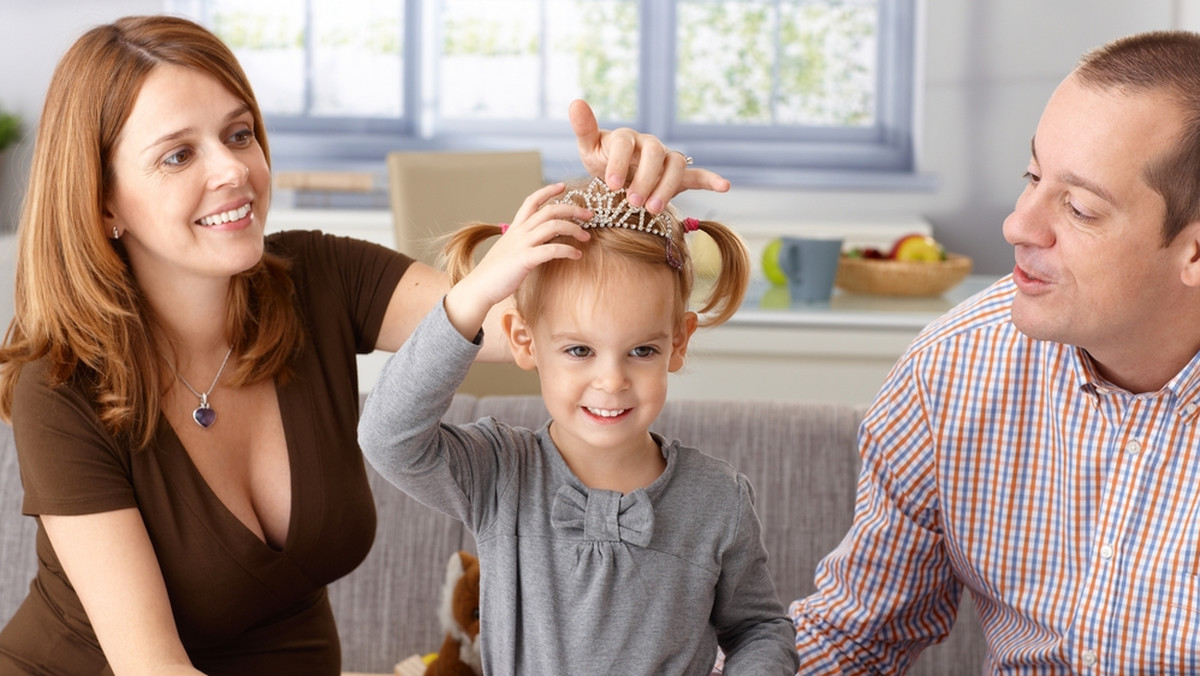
192,185
603,355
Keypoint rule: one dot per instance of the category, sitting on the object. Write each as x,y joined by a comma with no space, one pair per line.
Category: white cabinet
839,351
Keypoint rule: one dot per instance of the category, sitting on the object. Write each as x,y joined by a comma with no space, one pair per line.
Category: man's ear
679,342
520,339
1190,274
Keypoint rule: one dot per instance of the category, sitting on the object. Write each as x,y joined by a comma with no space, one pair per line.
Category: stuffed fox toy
459,614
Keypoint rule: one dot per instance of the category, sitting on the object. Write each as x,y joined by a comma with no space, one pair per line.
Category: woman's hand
526,244
659,172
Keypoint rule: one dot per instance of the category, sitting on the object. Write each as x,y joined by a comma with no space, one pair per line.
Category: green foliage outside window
608,54
10,129
794,63
736,62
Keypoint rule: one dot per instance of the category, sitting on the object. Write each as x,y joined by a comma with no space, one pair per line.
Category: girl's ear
520,339
679,342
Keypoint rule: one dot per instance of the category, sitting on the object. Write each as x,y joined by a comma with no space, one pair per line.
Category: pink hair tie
503,228
691,224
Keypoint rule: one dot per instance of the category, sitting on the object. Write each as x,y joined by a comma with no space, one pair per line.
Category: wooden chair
435,193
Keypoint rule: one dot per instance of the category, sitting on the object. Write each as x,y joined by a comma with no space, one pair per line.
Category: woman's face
192,186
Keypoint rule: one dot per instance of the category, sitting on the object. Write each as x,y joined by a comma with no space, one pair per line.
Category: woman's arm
111,564
420,289
480,299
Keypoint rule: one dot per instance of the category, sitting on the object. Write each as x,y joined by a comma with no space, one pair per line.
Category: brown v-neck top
241,606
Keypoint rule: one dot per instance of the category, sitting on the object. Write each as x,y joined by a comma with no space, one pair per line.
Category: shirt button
1106,552
1190,408
1133,447
1089,658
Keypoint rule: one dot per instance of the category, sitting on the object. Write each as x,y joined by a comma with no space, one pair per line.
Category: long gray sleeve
579,580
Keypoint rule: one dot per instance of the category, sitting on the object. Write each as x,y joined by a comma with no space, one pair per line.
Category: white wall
33,35
990,66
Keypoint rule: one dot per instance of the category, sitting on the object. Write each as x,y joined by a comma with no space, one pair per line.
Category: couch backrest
387,608
18,559
801,459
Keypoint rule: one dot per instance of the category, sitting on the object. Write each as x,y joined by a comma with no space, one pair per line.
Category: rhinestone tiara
610,210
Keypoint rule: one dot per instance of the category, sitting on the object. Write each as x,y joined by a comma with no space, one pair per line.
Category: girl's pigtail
458,252
733,277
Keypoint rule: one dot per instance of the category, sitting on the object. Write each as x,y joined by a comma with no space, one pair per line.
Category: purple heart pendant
204,416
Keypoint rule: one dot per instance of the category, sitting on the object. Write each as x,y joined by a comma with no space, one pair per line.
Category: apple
770,263
917,247
865,252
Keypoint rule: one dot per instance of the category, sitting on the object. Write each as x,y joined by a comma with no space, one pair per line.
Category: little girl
604,548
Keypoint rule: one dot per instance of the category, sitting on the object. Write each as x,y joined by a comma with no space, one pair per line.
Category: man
1040,444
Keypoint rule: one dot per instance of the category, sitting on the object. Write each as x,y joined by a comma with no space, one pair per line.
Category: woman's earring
116,234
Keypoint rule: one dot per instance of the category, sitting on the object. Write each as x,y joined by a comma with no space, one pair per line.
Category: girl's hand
659,173
526,245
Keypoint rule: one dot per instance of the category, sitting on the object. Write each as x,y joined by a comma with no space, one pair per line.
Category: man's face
1091,269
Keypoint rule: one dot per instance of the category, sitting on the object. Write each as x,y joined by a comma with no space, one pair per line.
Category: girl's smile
603,356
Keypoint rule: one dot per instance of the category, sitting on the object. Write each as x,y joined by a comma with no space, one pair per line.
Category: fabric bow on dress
603,516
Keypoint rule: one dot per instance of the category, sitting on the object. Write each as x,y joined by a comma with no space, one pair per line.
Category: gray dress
577,580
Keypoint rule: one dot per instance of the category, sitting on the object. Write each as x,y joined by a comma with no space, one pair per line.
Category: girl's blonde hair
77,303
616,242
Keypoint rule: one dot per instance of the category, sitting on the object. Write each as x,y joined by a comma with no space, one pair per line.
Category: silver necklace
204,415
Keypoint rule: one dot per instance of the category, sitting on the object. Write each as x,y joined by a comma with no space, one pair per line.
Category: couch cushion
800,459
18,561
387,608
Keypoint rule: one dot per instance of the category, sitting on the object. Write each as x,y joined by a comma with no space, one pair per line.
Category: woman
182,389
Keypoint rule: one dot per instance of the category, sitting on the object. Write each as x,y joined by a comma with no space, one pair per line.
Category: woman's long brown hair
77,303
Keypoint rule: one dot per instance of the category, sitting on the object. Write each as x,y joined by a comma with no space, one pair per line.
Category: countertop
768,306
765,306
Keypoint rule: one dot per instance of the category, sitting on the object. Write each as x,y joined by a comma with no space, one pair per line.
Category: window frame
881,156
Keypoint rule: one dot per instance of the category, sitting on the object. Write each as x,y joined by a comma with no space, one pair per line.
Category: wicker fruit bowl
884,277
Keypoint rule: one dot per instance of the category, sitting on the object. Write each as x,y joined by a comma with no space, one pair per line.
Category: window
782,92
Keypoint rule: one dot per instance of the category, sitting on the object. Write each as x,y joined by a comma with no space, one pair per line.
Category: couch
800,457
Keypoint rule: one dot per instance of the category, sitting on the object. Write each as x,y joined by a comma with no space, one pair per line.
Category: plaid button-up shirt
1069,508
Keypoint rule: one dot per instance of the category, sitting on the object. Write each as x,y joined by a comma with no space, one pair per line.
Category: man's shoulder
987,310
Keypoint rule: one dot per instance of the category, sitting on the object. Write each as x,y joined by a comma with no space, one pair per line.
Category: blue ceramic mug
810,265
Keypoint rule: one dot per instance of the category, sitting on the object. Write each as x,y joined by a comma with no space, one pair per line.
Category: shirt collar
1185,385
